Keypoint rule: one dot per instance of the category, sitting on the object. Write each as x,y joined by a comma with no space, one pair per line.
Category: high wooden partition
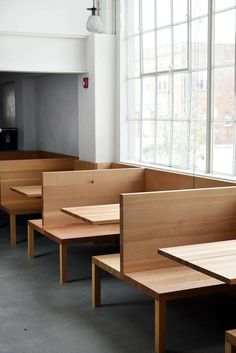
81,188
14,155
169,218
27,172
164,180
85,165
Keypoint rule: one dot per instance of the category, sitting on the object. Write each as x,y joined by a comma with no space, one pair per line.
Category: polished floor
38,315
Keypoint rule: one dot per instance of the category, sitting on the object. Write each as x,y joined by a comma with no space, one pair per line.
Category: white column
97,103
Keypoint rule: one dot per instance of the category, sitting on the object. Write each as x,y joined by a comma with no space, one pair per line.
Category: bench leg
63,263
228,347
13,229
30,242
96,286
160,326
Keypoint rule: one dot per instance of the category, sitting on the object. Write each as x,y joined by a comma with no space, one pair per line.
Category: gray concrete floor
38,315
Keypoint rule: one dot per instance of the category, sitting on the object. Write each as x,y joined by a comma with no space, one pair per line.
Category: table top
31,191
217,259
96,214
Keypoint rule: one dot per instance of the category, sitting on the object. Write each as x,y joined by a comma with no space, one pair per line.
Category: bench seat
77,233
68,235
162,284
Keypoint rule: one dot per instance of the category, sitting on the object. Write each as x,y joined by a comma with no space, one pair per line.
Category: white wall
45,16
22,53
57,113
43,36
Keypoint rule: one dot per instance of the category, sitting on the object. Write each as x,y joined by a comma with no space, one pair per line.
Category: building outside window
180,84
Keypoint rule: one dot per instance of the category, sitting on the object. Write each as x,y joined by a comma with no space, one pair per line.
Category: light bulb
94,24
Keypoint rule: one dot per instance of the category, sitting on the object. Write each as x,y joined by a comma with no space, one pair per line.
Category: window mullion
141,80
234,120
209,89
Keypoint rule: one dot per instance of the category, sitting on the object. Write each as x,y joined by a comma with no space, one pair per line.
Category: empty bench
80,188
69,235
150,221
23,173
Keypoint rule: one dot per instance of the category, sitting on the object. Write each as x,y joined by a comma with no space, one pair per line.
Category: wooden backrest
85,165
81,188
165,180
205,182
14,155
47,154
27,172
170,218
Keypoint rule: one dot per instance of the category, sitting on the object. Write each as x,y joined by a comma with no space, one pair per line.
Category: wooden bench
79,188
69,235
96,187
22,173
230,341
150,221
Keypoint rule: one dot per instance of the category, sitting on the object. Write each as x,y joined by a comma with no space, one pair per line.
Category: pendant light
94,23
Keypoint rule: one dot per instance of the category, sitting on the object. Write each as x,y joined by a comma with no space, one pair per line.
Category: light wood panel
201,182
96,214
164,180
150,221
84,165
82,188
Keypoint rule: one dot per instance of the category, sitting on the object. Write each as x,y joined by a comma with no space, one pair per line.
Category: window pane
164,49
163,13
134,99
149,60
223,4
198,146
163,142
224,94
134,135
149,93
199,96
223,148
199,8
132,16
148,141
225,38
180,144
133,57
181,96
148,14
163,97
180,46
199,43
180,10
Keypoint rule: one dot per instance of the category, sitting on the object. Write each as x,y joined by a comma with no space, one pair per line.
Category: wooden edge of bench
84,239
106,268
38,228
150,292
230,336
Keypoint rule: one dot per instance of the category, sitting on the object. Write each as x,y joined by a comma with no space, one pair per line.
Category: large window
180,84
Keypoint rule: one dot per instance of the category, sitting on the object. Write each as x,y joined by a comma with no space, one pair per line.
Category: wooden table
31,191
97,214
216,259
